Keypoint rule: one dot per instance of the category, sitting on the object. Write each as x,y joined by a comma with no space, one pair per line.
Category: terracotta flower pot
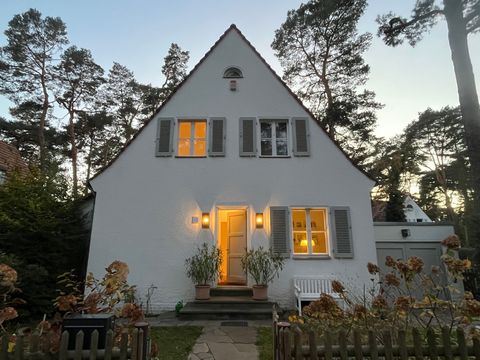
202,292
260,292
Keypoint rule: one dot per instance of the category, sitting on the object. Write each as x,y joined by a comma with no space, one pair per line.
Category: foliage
174,69
403,296
204,267
265,343
321,53
394,209
175,342
463,19
41,227
26,65
8,281
262,265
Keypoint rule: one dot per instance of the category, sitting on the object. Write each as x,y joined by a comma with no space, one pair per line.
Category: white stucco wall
145,204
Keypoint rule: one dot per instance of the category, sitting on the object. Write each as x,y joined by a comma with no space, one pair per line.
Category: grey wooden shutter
164,143
248,137
341,230
217,137
301,137
279,228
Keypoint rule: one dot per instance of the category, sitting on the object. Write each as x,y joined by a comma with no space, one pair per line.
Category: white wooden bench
310,288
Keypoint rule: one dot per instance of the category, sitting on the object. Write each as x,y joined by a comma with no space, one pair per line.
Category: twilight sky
137,34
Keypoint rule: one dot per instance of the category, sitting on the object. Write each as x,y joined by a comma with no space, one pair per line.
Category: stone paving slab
225,343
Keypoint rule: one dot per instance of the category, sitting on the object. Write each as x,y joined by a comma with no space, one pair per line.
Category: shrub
204,267
403,296
262,265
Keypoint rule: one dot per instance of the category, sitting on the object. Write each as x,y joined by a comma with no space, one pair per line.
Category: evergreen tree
463,19
321,53
174,69
79,79
26,66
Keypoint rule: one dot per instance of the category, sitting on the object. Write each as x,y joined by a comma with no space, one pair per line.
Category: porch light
259,220
205,220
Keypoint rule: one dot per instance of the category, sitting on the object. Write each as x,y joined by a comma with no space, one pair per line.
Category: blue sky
138,33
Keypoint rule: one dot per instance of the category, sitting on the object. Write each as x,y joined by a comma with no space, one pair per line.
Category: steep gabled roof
232,27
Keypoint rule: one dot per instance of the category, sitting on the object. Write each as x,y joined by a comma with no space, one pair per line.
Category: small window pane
282,147
281,130
266,147
185,130
299,219
200,148
184,147
200,129
319,243
266,130
317,217
300,243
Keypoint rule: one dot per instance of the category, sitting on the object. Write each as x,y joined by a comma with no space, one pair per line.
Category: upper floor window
233,73
310,233
273,138
192,138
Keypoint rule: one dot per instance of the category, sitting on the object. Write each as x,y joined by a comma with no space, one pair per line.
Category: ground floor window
310,231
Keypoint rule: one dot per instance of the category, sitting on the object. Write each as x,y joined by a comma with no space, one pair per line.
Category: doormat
234,323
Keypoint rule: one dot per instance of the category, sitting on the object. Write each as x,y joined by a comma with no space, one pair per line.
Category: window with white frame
273,137
192,138
310,231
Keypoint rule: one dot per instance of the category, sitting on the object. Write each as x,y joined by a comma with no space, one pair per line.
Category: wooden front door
236,246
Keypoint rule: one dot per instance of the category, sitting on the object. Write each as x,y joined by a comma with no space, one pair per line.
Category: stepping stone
200,348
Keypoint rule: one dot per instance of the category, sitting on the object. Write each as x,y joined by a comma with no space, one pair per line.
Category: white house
413,212
232,142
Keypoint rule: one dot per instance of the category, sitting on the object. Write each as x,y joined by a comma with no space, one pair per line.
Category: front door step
228,303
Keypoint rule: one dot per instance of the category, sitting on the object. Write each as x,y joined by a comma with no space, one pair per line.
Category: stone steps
228,303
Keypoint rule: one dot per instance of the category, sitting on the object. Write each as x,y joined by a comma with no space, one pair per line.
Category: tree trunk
467,93
41,125
73,152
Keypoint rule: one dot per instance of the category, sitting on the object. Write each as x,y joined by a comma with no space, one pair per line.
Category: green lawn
175,342
265,343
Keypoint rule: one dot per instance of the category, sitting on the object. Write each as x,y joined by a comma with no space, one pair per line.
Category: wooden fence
290,342
33,347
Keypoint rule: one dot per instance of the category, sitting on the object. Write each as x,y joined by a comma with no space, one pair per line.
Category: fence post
357,343
287,343
402,345
447,347
387,338
279,352
93,345
297,338
328,345
312,342
19,348
462,346
342,341
417,344
108,345
78,346
124,345
64,346
372,344
4,350
143,349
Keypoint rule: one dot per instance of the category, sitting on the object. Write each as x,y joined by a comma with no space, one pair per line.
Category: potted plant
262,265
203,268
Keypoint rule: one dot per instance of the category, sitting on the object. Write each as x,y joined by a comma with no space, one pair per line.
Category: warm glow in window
192,138
309,228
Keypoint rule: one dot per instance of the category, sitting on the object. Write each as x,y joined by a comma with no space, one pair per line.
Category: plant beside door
262,266
203,268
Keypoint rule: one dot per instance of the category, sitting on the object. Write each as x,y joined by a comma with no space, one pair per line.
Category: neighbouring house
234,159
10,160
413,212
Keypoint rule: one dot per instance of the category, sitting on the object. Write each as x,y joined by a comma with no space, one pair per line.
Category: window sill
190,157
275,157
311,257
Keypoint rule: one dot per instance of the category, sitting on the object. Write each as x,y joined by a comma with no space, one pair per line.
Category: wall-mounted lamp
259,220
405,233
205,220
